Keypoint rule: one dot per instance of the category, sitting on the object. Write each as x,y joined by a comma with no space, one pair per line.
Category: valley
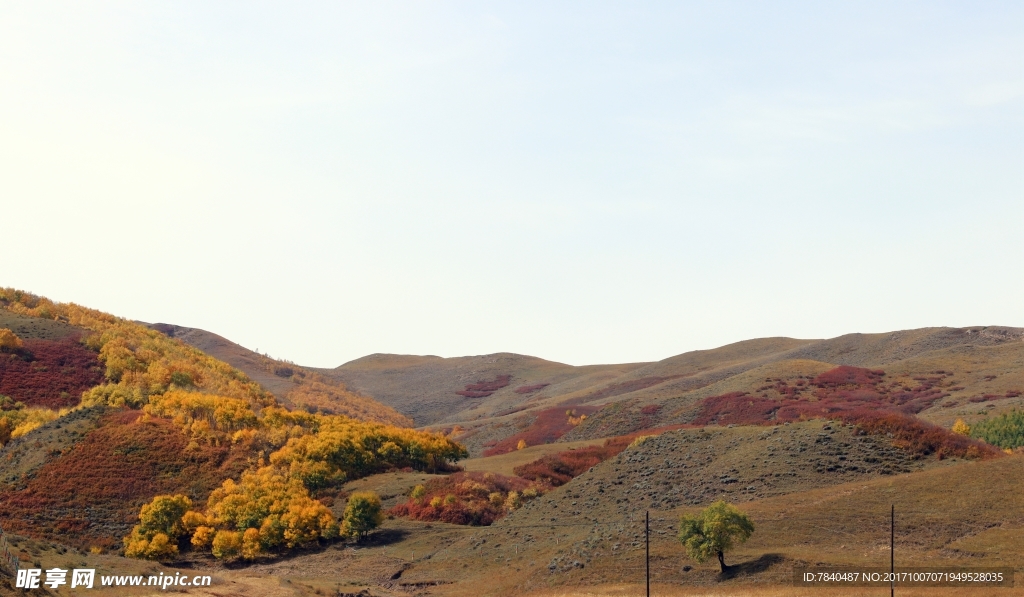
814,439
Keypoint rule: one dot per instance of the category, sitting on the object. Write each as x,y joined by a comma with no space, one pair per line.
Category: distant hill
816,439
488,399
493,397
427,388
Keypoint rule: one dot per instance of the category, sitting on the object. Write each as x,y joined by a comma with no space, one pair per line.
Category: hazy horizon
585,183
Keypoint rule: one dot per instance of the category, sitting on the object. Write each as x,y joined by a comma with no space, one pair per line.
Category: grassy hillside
490,402
104,420
428,388
586,538
815,439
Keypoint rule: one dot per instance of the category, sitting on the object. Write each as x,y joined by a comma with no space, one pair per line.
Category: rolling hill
434,390
293,385
815,439
102,418
496,394
491,398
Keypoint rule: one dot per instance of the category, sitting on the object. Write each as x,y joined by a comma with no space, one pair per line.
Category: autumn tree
160,526
362,514
227,544
9,340
713,531
961,428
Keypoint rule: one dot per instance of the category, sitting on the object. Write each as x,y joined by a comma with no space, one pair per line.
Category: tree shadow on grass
751,567
377,538
383,537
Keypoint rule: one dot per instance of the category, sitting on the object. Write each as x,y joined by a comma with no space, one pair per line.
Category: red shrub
737,408
917,436
99,485
558,469
548,425
483,389
51,373
530,389
857,396
846,375
839,389
464,498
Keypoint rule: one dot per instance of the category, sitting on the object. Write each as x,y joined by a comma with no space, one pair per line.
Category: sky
588,182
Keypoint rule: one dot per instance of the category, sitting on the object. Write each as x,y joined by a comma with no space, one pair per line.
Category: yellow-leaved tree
9,341
961,428
159,530
271,508
714,531
271,505
363,513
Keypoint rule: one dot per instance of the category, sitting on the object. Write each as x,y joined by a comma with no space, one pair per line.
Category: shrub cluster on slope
916,436
48,373
311,390
854,395
558,469
16,419
1005,430
207,406
139,362
483,389
547,426
89,493
530,388
272,506
467,498
840,389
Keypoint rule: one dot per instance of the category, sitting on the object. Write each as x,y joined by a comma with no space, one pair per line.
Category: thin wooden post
892,551
647,541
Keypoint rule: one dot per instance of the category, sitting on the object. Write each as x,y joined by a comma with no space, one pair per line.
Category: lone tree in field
362,514
713,531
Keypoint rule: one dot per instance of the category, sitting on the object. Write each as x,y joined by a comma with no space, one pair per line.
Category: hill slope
102,417
428,388
494,400
293,385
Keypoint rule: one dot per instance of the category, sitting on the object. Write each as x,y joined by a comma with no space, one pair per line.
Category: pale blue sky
586,182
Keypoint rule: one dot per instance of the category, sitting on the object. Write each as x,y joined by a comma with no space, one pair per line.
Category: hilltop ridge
490,398
293,385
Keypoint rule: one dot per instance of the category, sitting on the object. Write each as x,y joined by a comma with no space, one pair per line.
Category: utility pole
647,541
892,551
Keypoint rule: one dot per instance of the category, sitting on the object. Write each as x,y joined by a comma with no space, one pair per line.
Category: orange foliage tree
270,507
9,341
